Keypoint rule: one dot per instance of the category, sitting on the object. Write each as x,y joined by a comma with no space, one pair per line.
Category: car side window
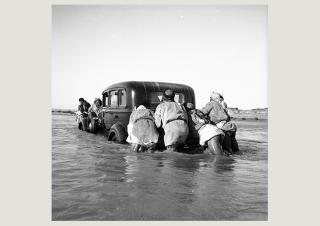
105,100
113,96
122,97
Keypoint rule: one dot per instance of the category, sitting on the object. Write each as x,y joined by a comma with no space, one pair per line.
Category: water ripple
93,179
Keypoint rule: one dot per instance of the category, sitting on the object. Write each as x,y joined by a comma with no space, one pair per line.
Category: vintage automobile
120,99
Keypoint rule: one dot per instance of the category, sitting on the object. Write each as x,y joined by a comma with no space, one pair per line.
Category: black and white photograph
159,112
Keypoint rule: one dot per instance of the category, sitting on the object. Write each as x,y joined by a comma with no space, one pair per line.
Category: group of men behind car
181,124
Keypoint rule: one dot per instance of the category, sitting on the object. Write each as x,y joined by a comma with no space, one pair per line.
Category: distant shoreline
63,111
236,114
254,114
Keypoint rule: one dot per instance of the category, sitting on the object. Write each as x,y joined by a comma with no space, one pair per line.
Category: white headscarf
141,107
215,96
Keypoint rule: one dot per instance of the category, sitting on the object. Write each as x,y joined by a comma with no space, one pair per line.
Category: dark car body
120,99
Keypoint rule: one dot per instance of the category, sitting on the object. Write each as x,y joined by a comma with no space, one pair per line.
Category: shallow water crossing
93,179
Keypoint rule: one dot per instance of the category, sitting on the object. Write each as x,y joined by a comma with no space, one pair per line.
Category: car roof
148,85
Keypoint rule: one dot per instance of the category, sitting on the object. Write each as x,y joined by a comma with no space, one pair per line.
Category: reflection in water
132,168
223,163
93,179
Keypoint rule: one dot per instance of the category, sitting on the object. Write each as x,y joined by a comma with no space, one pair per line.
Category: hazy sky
210,48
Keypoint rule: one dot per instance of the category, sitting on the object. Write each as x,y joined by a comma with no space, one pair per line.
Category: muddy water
93,179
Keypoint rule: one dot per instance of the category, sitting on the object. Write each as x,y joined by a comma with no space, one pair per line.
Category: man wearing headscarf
219,116
207,134
96,107
173,118
142,132
222,101
94,120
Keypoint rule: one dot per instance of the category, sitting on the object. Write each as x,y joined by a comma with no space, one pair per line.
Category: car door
117,110
109,112
123,112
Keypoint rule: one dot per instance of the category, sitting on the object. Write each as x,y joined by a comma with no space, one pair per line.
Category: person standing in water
96,108
142,132
219,116
207,134
82,114
83,106
173,118
94,112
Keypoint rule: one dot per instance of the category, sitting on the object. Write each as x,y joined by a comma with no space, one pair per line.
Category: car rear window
156,97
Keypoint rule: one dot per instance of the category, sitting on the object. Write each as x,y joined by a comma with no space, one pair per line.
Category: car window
105,101
122,97
156,97
113,98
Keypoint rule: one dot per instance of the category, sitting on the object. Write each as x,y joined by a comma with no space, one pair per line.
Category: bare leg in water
143,148
171,148
234,143
84,121
214,146
135,147
152,147
226,144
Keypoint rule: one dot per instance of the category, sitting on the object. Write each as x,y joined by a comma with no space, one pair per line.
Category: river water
93,179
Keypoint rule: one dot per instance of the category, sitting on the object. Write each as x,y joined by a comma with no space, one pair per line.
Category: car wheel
118,133
114,138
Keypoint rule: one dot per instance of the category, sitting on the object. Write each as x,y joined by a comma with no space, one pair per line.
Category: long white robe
173,118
